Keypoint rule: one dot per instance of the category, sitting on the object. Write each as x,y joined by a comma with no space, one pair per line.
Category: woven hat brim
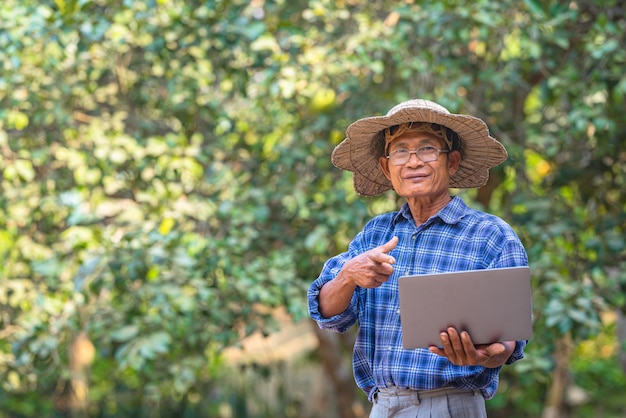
356,153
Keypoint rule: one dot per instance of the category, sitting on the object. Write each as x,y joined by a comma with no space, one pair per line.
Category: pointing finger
380,254
381,257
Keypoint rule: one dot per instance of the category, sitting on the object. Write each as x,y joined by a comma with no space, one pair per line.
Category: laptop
491,305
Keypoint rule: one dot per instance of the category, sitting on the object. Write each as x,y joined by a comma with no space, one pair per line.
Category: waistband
395,392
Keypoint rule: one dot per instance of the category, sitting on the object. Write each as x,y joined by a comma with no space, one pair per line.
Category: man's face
415,178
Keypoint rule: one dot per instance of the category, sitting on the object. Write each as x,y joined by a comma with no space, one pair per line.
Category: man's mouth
416,176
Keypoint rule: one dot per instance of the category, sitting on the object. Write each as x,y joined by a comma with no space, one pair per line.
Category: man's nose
414,161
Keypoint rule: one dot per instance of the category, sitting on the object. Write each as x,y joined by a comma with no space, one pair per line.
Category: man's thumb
389,245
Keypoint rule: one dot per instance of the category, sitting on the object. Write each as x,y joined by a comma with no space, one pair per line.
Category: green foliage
153,197
166,177
594,370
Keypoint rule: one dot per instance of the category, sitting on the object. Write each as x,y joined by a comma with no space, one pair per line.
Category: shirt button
389,348
413,236
398,311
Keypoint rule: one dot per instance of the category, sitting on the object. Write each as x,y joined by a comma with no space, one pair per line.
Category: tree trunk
485,193
560,378
82,353
338,370
621,338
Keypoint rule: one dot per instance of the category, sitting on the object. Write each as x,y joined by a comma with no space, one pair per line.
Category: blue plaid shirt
455,239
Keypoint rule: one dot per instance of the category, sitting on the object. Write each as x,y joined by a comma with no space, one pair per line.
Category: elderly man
420,150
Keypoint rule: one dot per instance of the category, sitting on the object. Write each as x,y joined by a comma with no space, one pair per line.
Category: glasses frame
417,153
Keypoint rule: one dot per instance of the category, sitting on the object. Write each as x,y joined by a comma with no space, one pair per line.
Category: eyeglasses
426,154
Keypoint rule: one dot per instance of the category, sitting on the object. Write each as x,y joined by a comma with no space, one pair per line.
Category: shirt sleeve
343,321
518,353
512,254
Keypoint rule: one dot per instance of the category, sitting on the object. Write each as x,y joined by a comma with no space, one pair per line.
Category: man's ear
384,165
454,160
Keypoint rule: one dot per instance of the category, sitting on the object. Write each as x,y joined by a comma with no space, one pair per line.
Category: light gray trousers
438,403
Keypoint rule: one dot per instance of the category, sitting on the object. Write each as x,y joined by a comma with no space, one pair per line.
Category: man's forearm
335,296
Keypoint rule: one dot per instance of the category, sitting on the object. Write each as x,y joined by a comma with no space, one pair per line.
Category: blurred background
168,197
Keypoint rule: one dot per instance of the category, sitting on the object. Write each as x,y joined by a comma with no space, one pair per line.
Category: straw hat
359,151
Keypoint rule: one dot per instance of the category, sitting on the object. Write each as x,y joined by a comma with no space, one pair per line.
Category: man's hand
460,350
372,268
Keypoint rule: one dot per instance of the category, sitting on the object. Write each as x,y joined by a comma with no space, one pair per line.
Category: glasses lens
399,157
428,154
402,156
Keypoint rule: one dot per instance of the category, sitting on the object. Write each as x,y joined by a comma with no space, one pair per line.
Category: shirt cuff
338,323
518,353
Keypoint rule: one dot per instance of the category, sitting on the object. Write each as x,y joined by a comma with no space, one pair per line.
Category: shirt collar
451,214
